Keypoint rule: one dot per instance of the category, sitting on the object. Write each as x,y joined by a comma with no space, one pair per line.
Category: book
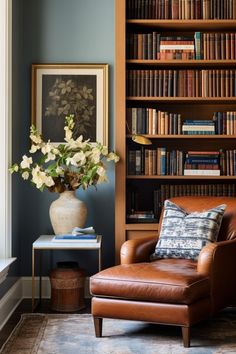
75,238
201,172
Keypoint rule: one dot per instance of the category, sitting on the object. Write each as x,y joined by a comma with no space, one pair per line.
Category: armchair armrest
218,261
137,250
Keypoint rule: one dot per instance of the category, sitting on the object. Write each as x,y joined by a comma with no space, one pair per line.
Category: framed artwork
62,89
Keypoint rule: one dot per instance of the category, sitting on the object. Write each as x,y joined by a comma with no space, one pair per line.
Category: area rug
74,334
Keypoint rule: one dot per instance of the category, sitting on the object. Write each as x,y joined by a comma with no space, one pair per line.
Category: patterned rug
74,334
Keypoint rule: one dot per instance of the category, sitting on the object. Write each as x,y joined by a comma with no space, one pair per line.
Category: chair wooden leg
186,336
98,326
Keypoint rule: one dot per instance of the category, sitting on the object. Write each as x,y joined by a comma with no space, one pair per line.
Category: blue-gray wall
57,31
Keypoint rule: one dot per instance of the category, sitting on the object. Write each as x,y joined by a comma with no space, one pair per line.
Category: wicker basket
67,289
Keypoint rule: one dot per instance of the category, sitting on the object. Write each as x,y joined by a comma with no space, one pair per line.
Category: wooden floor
25,307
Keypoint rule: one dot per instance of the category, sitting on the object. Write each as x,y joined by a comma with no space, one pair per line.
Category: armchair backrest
191,204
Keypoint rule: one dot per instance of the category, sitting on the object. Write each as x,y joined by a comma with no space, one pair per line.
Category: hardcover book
75,238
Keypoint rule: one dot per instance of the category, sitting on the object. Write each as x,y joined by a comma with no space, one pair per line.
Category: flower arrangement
68,166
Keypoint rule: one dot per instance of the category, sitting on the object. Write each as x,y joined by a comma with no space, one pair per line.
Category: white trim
22,290
6,125
4,267
9,302
46,287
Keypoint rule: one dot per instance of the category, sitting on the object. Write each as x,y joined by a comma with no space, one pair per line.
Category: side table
45,242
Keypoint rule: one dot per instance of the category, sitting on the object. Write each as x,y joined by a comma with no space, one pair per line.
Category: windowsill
4,267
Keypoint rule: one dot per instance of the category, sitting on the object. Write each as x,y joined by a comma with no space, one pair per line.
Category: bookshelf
189,107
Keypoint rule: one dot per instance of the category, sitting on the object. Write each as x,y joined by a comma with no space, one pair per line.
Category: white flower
48,181
79,159
26,162
40,178
34,148
46,148
50,157
55,151
25,175
96,153
101,171
104,150
112,157
36,138
68,134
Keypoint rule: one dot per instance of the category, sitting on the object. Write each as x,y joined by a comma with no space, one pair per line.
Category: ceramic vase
67,212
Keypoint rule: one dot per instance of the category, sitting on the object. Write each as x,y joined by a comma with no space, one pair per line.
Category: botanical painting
59,90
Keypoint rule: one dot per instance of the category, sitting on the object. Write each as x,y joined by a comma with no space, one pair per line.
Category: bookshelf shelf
140,226
192,100
183,99
182,63
191,25
181,177
147,192
187,136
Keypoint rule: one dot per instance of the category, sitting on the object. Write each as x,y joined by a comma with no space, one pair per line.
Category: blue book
199,122
82,238
205,160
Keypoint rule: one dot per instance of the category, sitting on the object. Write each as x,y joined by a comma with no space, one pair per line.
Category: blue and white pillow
183,235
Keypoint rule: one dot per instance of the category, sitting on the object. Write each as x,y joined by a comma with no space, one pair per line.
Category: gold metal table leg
99,259
33,281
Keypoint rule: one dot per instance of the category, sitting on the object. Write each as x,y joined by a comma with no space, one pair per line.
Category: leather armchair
170,291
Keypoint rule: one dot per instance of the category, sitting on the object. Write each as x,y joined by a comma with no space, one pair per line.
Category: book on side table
77,235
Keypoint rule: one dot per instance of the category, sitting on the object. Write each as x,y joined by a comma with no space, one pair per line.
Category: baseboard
10,301
22,289
46,287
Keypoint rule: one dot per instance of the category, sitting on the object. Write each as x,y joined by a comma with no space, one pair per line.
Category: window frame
6,126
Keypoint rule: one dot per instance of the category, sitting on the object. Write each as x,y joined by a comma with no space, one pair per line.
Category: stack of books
180,48
141,216
202,163
78,235
198,127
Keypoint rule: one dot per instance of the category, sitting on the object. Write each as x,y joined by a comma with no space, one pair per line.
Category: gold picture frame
62,89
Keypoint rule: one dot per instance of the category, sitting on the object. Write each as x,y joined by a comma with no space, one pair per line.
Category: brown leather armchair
175,292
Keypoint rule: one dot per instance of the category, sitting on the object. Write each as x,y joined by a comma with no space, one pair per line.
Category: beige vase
67,212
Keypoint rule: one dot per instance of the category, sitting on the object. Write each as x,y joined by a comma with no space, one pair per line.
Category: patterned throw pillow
183,235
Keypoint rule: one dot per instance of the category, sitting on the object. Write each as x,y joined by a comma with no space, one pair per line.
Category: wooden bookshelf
189,107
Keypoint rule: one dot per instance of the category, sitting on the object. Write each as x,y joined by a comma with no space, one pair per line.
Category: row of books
155,122
136,203
181,83
152,121
181,9
225,122
166,191
161,162
207,46
210,46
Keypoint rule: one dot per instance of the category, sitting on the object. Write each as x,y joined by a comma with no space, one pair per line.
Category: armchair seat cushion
165,280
